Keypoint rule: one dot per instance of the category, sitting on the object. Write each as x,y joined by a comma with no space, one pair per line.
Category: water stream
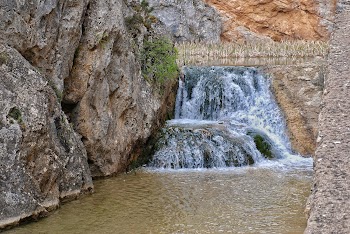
225,117
223,165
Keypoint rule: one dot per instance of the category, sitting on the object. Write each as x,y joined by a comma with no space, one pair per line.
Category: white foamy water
219,113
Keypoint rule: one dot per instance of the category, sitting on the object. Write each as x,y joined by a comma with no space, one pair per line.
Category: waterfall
224,117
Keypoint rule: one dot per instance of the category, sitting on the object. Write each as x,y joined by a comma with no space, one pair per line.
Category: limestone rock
298,90
278,20
42,160
330,200
46,33
187,20
110,103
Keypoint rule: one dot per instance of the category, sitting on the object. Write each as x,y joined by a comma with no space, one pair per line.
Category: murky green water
241,200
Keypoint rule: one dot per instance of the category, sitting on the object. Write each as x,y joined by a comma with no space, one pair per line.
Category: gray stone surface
326,10
83,50
112,106
46,33
330,200
42,160
187,20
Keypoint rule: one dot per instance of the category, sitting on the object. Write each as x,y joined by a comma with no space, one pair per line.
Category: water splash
224,117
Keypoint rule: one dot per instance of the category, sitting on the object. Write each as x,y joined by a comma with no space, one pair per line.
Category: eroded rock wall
298,91
46,33
42,159
329,204
112,106
80,53
251,20
187,20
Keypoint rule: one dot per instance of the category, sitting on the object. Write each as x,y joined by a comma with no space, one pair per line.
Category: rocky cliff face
298,91
111,105
249,20
46,33
187,20
80,53
42,159
329,203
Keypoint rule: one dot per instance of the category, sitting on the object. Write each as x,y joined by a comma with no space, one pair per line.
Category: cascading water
225,116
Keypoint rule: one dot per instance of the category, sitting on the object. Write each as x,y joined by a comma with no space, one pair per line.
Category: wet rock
42,160
202,145
298,91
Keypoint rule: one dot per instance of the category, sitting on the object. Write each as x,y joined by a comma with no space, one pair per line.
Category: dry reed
211,51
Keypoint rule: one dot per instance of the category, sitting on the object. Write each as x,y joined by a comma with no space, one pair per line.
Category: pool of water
259,199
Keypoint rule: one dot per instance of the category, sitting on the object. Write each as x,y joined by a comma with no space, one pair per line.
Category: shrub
3,58
133,23
158,59
15,114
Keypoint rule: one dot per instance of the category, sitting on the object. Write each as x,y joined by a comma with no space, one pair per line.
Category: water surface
260,199
218,111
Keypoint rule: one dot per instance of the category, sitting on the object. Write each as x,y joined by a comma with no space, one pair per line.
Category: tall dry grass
210,51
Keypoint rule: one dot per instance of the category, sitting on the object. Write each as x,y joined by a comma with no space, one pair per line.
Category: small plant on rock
158,59
3,58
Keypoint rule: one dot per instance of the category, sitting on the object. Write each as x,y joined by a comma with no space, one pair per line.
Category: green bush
158,59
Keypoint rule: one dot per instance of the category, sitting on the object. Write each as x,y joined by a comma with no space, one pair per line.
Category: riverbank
330,200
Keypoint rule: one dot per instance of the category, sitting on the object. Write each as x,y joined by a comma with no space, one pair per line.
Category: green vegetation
3,58
158,59
263,146
141,17
102,39
15,114
157,55
133,23
58,93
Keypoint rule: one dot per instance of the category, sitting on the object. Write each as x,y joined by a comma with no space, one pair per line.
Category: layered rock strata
330,199
251,20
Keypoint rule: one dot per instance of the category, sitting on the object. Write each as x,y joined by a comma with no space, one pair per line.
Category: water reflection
240,200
